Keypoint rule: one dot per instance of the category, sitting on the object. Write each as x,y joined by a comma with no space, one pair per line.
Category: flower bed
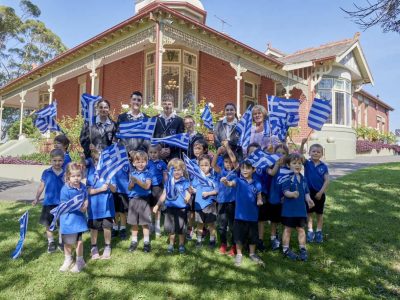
9,160
367,146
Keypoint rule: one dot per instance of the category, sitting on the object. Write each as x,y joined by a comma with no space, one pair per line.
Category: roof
375,99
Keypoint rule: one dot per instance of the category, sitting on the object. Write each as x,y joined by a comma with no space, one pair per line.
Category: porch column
50,83
239,70
92,66
22,101
158,67
1,115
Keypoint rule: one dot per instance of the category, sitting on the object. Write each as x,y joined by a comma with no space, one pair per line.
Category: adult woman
135,114
101,134
259,114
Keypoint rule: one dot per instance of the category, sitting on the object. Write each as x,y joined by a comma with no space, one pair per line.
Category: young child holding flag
73,224
139,212
100,210
51,182
294,211
317,176
176,197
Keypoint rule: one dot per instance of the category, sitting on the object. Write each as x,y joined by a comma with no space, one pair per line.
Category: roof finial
356,36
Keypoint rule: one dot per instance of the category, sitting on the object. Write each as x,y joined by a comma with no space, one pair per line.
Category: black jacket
173,127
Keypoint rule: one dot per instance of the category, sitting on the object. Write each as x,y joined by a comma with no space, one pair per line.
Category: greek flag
279,128
47,111
206,116
274,108
142,129
291,108
23,227
66,207
283,174
244,128
292,120
196,172
88,104
170,186
180,140
112,159
319,113
262,160
46,118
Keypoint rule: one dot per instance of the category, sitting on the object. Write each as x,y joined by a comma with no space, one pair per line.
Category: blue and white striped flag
196,172
170,186
23,227
48,111
292,120
46,118
112,159
88,104
66,207
319,113
274,108
180,140
291,108
244,128
283,174
206,116
142,129
262,160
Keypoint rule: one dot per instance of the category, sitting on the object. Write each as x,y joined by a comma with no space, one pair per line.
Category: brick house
167,48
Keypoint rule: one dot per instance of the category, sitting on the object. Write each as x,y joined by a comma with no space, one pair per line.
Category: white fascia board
290,67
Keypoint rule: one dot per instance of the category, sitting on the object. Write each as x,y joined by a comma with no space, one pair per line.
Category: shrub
28,128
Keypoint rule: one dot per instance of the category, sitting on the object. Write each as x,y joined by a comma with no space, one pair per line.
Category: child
73,224
139,212
261,176
62,142
52,181
205,208
274,210
176,197
294,211
317,176
248,199
226,196
101,209
158,171
121,202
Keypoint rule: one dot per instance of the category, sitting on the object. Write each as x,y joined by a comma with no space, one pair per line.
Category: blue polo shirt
315,173
182,185
295,207
157,169
246,199
200,202
67,160
275,191
226,194
262,176
137,191
53,184
73,222
101,205
121,180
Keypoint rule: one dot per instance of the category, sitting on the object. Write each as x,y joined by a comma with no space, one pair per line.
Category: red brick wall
267,86
67,95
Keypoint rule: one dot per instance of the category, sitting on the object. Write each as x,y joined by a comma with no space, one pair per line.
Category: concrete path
25,190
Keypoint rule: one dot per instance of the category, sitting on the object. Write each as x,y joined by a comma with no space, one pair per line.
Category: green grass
360,258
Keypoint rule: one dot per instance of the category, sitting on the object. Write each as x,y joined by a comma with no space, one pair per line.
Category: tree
381,12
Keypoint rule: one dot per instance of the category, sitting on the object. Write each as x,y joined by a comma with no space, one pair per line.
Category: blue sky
288,25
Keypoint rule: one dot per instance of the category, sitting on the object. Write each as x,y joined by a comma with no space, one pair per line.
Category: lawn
359,259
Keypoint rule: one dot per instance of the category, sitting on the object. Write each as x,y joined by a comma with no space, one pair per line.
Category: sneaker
51,248
319,237
147,247
255,258
199,244
66,265
303,254
275,244
122,234
170,249
78,266
114,233
133,246
222,249
212,244
290,254
232,252
261,246
189,235
182,249
238,260
61,247
310,236
106,253
94,253
157,231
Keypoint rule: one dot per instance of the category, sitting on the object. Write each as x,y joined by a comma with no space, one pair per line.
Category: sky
289,25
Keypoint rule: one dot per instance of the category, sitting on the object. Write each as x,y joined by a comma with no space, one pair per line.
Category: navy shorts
294,222
46,217
274,212
245,231
318,204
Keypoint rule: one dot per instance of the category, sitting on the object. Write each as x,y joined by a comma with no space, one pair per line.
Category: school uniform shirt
67,160
181,185
101,205
73,222
200,202
53,184
246,199
157,169
314,174
226,194
121,180
295,207
275,191
262,176
137,191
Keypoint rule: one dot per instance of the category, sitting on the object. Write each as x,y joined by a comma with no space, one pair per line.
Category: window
189,59
339,108
359,113
366,115
172,56
189,87
249,89
150,86
170,82
325,83
44,98
326,95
